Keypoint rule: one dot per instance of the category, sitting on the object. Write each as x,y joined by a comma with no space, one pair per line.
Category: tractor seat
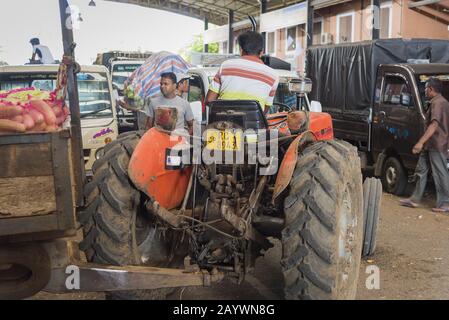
246,113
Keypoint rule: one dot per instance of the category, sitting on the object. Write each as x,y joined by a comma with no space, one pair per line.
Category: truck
121,64
374,91
97,106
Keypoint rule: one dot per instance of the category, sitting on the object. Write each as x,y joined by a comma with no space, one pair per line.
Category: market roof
216,11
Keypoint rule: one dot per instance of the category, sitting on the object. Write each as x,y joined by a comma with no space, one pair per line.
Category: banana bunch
133,100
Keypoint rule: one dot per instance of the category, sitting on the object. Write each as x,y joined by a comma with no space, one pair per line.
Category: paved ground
412,256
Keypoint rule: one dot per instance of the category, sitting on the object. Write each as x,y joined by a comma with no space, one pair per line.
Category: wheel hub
391,176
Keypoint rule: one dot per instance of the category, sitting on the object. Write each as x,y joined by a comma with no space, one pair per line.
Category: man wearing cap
43,52
182,81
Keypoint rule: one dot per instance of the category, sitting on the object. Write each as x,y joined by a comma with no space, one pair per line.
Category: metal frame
422,3
65,260
72,90
216,11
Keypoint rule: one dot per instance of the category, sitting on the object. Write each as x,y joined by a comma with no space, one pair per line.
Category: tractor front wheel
117,230
323,235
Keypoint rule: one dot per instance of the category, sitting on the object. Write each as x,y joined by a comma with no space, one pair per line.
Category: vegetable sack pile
31,110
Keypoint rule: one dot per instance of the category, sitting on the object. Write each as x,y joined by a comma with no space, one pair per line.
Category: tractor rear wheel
117,230
323,235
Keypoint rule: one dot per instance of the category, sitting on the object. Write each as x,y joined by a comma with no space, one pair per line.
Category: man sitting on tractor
247,78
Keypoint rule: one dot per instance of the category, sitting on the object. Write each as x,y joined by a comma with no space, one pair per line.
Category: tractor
216,200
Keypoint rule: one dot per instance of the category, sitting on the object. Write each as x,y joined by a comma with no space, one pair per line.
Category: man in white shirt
42,52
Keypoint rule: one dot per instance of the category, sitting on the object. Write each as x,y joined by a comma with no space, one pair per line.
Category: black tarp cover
344,76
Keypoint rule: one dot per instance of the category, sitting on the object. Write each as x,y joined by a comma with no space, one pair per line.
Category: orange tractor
212,201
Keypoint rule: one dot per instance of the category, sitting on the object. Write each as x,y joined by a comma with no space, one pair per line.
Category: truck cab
399,118
120,72
374,91
97,108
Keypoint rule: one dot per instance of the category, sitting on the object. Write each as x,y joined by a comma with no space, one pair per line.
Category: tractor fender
320,123
319,128
149,173
288,164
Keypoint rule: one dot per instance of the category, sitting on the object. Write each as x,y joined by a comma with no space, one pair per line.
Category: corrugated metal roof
216,11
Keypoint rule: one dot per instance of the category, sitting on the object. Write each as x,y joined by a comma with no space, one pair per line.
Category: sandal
408,203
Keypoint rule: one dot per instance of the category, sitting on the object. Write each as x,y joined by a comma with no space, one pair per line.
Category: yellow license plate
223,140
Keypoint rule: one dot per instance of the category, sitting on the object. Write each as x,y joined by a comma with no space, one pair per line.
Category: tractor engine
230,187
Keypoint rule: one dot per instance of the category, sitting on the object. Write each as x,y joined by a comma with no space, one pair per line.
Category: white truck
120,71
121,64
97,106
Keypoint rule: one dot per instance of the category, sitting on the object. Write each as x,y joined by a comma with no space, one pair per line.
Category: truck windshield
422,79
93,89
121,72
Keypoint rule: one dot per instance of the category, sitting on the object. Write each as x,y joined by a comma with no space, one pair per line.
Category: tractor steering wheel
282,107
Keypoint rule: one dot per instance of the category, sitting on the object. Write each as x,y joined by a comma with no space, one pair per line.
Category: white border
341,15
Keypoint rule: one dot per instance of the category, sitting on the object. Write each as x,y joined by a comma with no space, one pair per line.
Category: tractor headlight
300,86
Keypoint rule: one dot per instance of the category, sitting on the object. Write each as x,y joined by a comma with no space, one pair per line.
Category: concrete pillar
231,33
310,13
376,20
263,9
206,27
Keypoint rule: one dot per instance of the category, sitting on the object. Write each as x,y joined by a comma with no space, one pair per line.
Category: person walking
433,149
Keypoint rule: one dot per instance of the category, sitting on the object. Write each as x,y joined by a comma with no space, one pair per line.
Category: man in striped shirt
247,78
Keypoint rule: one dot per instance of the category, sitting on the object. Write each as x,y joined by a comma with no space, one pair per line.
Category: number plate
223,140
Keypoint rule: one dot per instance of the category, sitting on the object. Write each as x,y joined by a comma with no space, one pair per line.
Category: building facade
342,21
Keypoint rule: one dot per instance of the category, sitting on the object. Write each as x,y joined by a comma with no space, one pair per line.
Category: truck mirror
315,106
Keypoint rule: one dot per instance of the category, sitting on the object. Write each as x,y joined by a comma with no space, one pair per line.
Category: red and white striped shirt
247,78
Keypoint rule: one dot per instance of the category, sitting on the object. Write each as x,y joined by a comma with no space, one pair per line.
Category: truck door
397,123
197,97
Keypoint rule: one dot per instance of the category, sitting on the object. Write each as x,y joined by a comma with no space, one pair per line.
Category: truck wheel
322,239
25,270
116,228
394,179
372,199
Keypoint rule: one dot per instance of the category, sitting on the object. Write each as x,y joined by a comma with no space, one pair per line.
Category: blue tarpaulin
146,79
